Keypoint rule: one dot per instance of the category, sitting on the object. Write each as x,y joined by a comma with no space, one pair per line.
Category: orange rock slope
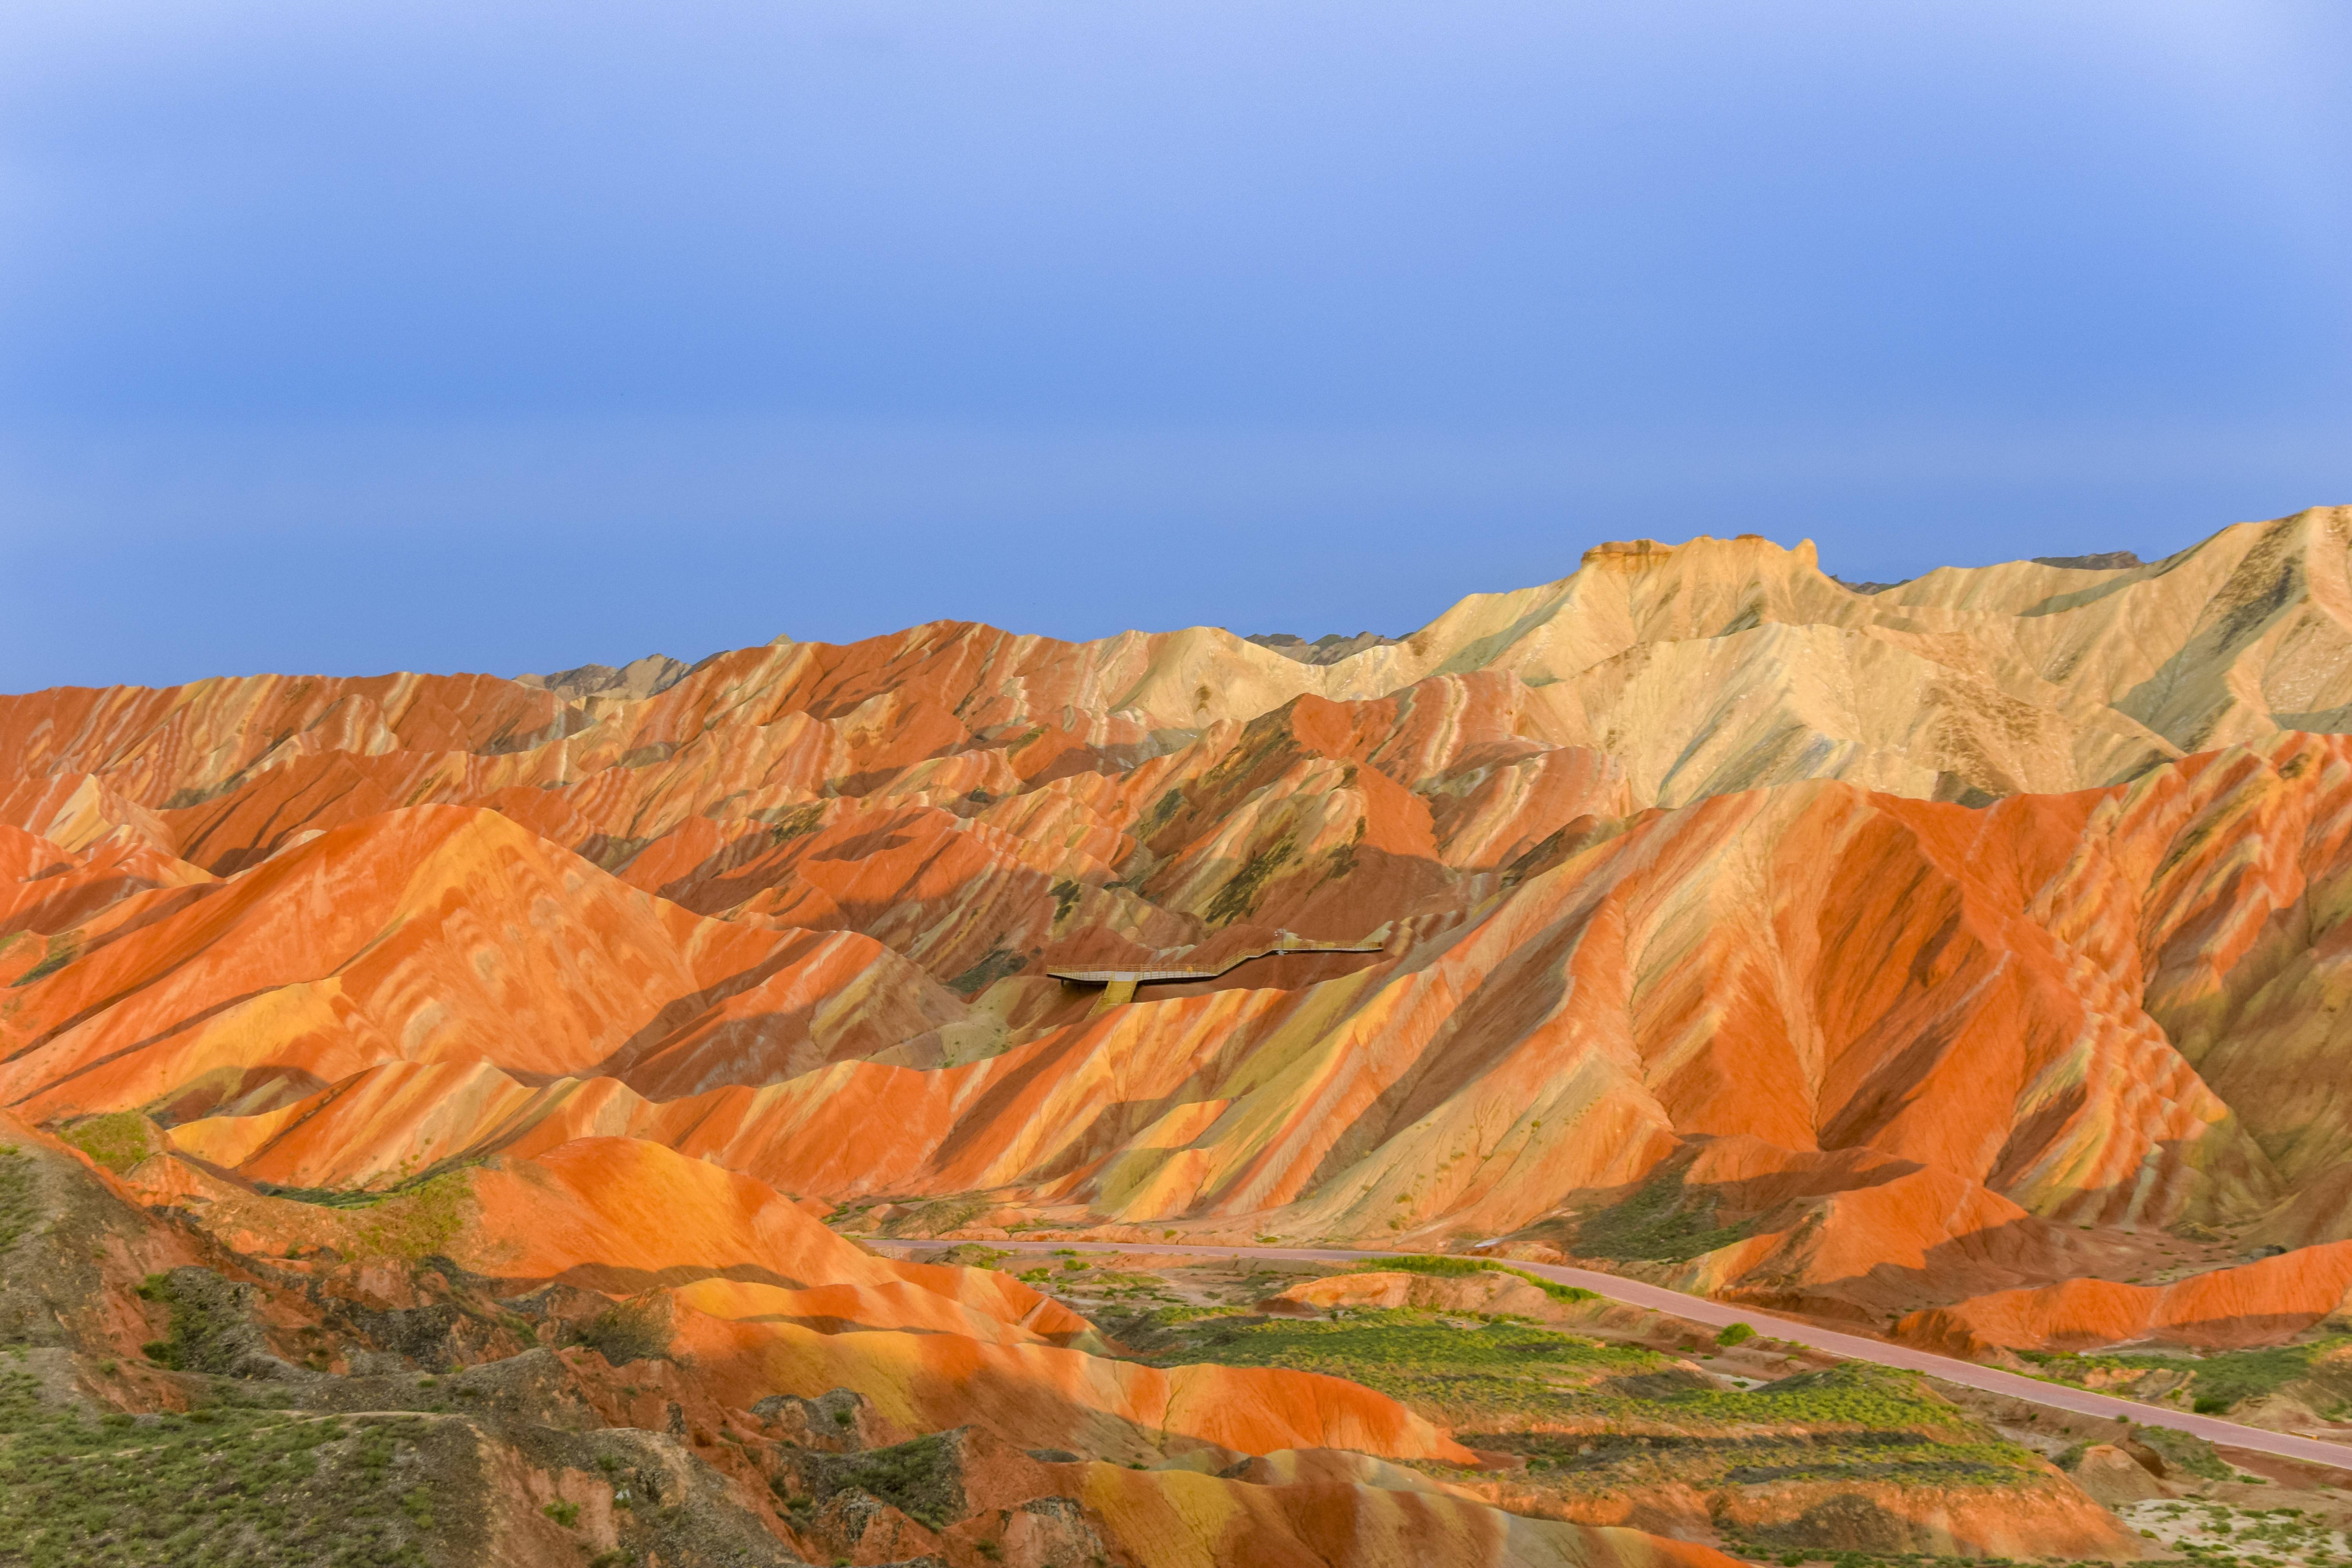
1720,934
762,1324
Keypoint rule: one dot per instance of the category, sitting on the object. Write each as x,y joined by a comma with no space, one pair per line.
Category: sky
507,337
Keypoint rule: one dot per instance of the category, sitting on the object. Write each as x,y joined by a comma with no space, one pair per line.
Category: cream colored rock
1489,1291
2113,1476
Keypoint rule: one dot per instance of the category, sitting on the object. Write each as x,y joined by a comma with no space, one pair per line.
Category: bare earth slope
1932,954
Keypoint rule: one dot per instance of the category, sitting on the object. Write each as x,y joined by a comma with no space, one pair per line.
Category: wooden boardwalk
1119,985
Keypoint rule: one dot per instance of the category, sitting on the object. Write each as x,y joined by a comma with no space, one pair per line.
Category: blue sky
497,336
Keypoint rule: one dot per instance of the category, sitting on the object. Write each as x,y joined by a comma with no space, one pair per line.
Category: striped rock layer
1849,952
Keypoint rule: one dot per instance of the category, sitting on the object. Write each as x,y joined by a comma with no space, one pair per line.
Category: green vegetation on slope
628,1330
229,1487
2216,1381
920,1478
117,1140
60,952
209,1328
1455,1373
2183,1451
1618,1459
1594,1416
17,1207
414,1220
2179,1449
1405,1340
1664,1222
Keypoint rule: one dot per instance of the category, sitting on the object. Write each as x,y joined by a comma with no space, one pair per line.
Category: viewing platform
1119,985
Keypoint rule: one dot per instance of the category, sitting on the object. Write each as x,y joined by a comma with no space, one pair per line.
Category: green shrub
628,1332
1734,1334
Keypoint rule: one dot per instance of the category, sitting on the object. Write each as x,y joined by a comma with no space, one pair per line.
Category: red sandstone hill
1719,935
331,930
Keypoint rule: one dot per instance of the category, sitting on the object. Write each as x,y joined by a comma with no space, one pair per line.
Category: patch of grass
414,1220
1457,1267
1597,1421
2232,1377
798,823
62,950
118,1141
1664,1222
1405,1339
1652,1420
2217,1381
1170,1317
1604,1460
18,1209
323,1197
999,964
1851,1425
921,1479
1849,1395
210,1328
1239,896
237,1486
2184,1451
418,1221
1454,1374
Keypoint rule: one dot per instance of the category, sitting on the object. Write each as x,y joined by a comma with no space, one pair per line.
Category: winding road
1853,1347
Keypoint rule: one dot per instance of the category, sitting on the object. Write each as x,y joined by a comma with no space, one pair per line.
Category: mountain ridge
1915,961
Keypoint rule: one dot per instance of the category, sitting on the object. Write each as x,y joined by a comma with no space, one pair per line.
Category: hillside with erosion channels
461,1120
